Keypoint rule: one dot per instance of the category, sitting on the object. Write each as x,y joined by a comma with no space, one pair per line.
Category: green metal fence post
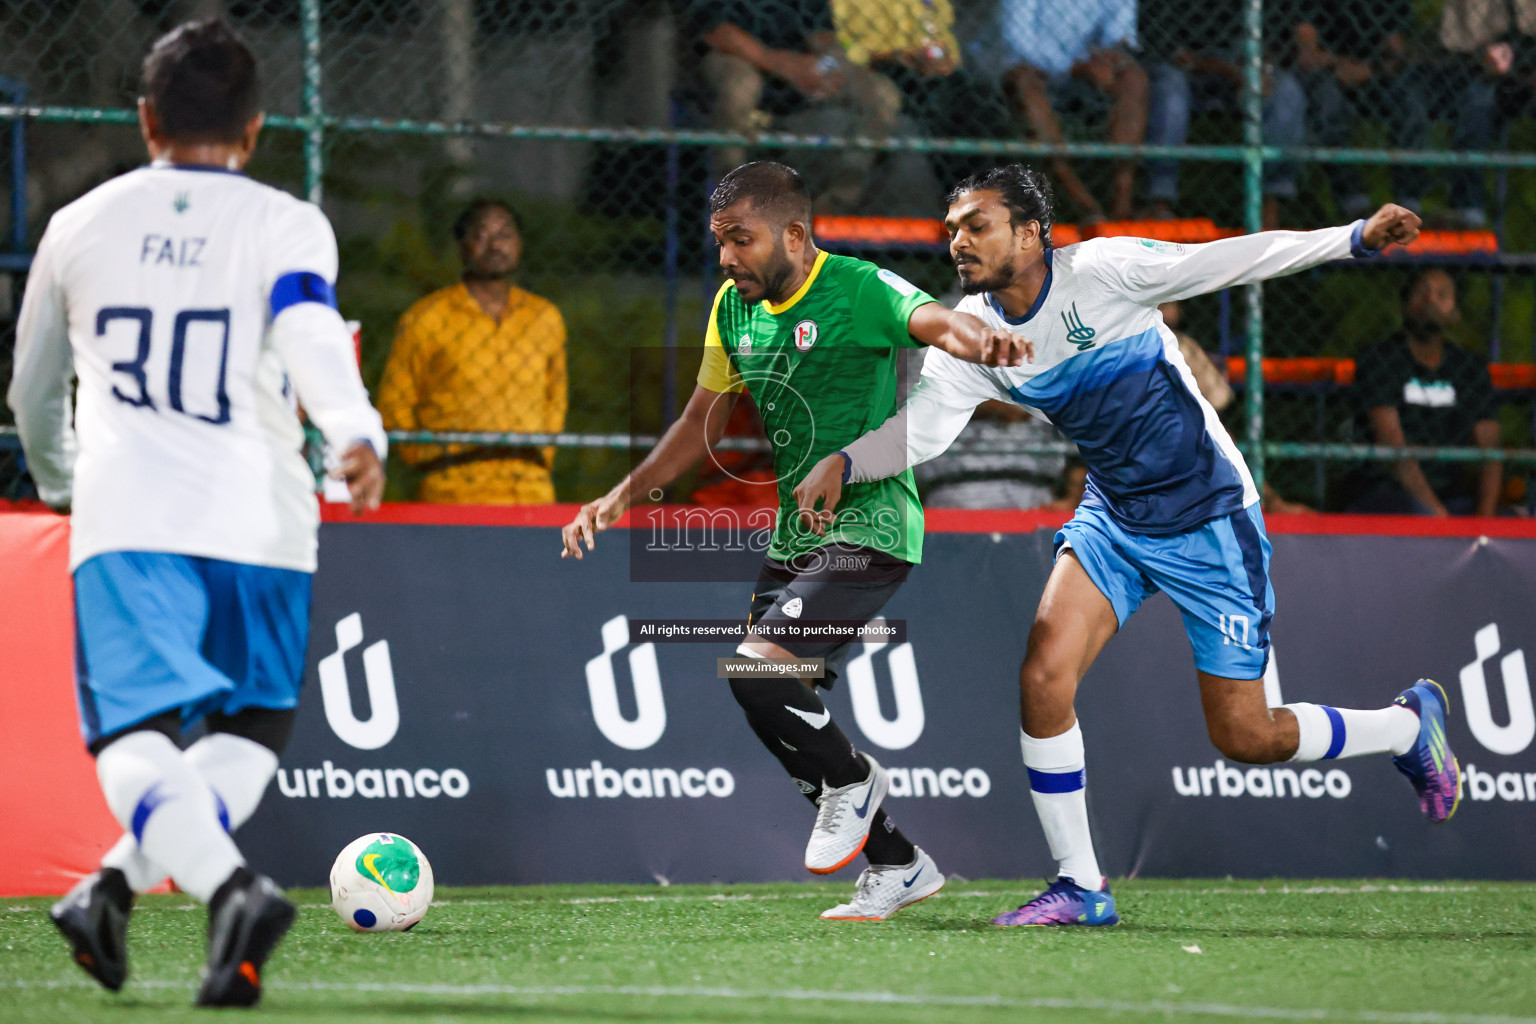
314,174
1253,220
314,130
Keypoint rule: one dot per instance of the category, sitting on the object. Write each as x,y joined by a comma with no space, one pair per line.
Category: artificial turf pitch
1198,950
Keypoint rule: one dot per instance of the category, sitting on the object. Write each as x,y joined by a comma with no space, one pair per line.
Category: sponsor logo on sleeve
898,282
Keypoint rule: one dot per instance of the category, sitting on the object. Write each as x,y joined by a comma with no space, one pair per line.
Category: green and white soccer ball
381,883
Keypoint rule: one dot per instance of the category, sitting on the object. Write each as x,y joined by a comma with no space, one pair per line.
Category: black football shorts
835,582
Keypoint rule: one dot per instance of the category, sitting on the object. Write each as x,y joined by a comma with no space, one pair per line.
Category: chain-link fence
601,125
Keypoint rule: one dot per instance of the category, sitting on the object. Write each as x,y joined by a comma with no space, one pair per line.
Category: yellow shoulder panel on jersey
715,370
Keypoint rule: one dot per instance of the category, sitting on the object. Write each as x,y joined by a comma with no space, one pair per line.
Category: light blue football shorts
1217,574
158,632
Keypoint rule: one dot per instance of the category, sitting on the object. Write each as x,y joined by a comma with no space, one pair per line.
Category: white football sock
1057,782
162,800
1328,733
238,771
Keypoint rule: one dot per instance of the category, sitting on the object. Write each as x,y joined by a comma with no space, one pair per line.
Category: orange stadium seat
1341,372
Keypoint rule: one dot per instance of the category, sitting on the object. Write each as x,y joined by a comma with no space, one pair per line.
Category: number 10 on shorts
1234,630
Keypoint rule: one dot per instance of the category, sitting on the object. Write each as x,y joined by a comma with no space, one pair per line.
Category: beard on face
1421,327
980,282
1428,321
776,273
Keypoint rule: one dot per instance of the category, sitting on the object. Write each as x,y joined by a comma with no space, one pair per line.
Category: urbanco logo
335,782
638,733
900,732
383,707
1516,735
650,719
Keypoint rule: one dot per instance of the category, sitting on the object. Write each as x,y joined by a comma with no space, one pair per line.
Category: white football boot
886,889
843,820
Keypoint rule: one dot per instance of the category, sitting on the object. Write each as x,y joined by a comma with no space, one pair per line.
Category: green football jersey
822,368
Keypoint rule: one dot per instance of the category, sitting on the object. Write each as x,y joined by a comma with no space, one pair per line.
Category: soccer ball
381,883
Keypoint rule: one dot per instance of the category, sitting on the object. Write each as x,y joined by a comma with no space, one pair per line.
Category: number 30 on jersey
137,392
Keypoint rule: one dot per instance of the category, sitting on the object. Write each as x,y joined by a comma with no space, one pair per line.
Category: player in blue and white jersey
193,304
1169,503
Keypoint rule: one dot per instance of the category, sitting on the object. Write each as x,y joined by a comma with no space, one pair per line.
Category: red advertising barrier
54,824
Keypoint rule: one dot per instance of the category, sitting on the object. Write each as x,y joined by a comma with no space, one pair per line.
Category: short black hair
477,209
1412,282
1025,191
202,80
776,190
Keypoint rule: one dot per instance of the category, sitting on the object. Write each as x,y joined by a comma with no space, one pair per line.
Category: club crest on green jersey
805,335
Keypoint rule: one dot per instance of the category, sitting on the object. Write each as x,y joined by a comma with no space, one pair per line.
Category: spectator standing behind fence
1420,388
1204,71
481,355
767,60
1492,41
1075,56
1355,63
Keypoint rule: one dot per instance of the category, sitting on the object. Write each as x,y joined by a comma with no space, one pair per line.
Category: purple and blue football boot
1065,902
1430,765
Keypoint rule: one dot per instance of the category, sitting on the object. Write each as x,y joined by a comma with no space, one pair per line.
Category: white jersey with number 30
190,302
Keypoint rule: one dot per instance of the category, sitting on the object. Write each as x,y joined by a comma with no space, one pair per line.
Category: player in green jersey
816,339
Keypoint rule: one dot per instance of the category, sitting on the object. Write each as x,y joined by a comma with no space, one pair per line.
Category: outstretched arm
1152,273
935,414
686,442
967,337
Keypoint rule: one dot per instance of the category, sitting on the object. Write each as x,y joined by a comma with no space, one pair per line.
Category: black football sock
886,845
806,776
788,713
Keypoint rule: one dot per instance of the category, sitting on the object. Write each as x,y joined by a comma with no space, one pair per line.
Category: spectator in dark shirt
1355,63
770,59
1420,388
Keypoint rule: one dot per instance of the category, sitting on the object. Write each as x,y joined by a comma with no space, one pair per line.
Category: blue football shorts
1217,574
158,632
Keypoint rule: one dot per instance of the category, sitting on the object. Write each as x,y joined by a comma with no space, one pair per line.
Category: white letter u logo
900,732
1501,739
650,719
384,710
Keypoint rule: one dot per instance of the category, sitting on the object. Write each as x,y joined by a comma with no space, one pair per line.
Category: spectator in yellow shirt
482,355
912,43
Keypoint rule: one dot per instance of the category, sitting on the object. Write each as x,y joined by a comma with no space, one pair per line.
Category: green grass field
1208,951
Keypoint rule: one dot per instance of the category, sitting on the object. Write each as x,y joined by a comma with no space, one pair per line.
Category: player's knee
742,690
1042,675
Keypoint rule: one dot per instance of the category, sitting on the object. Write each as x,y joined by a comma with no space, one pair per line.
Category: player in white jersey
193,305
1169,503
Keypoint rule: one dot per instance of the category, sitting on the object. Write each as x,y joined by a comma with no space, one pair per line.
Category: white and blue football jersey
186,300
1108,374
